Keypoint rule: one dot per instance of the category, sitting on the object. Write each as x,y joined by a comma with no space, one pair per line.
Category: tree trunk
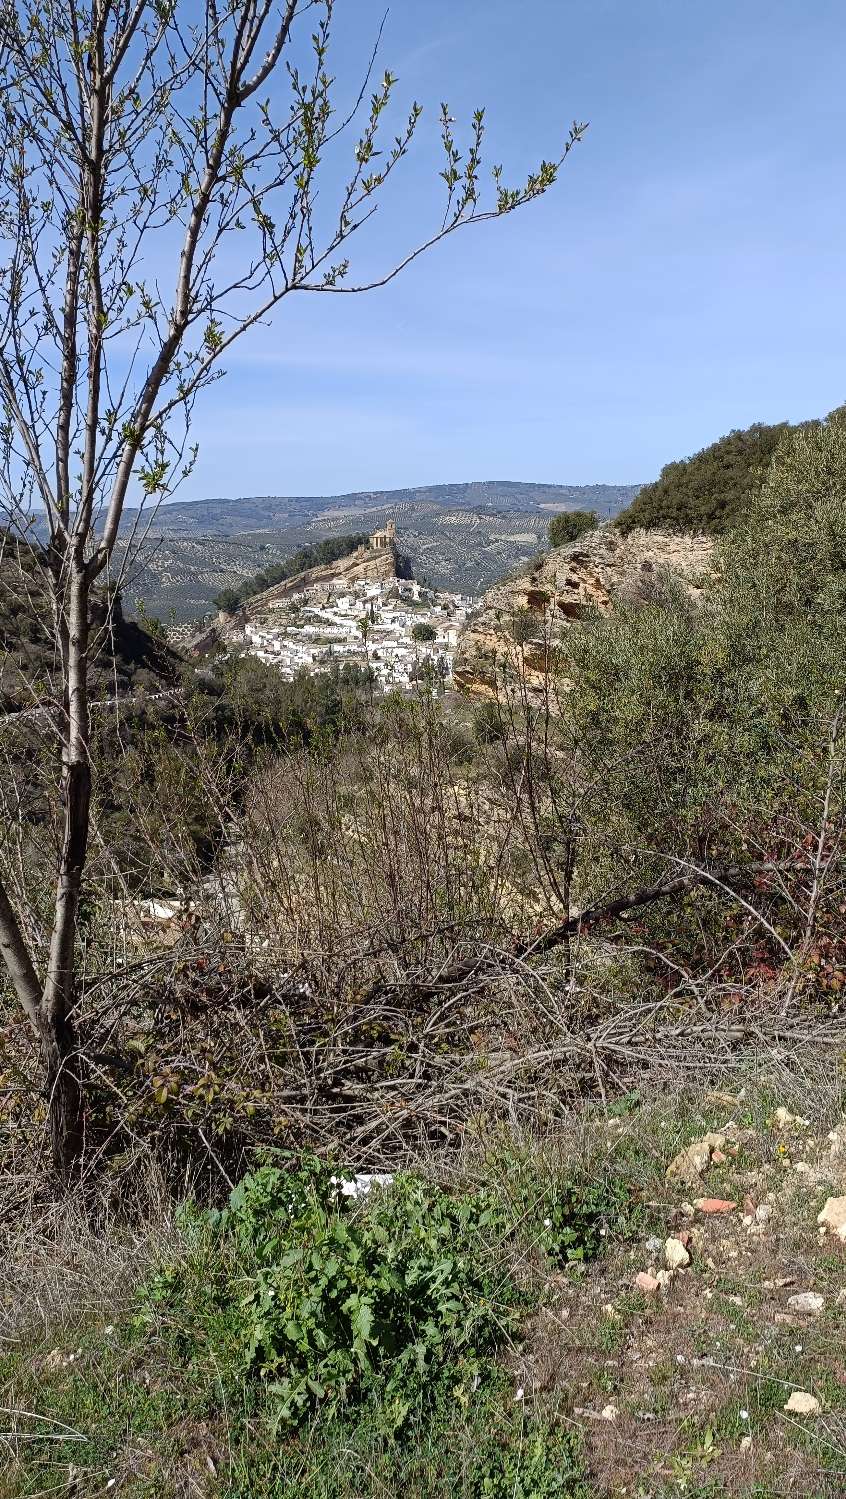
57,1032
64,1093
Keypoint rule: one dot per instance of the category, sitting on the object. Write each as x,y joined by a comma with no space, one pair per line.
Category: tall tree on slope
159,172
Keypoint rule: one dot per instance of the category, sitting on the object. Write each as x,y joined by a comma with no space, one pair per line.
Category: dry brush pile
412,935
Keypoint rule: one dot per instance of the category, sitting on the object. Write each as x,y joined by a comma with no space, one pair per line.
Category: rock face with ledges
520,617
365,564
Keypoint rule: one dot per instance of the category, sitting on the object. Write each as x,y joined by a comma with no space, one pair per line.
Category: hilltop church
382,541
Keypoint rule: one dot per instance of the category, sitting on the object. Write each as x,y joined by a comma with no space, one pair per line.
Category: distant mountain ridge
237,517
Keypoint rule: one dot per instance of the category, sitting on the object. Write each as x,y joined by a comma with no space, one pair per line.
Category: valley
457,537
422,908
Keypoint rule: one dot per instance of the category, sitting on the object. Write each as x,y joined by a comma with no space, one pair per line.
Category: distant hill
179,577
462,537
711,490
238,517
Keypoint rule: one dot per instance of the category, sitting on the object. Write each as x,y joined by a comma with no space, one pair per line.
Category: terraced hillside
176,578
247,514
463,550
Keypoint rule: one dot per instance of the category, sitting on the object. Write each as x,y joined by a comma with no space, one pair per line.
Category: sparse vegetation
570,525
383,1320
401,1092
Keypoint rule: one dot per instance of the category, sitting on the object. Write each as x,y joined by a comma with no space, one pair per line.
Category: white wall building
369,623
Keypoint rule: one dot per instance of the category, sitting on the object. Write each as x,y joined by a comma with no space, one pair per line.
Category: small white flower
798,1348
520,1393
547,1223
744,1415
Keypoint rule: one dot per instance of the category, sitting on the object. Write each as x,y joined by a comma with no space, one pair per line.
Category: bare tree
159,171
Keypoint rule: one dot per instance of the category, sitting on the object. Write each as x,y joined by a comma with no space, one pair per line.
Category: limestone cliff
368,563
564,585
365,565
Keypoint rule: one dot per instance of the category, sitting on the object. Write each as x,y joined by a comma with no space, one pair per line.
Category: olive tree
163,188
570,525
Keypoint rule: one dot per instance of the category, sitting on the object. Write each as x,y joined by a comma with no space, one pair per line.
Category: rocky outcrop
522,616
365,564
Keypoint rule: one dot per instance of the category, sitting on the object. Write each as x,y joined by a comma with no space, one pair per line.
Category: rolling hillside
236,517
462,537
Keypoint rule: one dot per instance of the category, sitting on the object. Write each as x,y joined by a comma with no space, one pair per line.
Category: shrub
570,525
710,491
395,1299
705,730
490,723
526,626
395,1294
228,600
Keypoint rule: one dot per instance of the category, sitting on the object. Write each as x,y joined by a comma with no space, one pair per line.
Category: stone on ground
806,1302
676,1256
802,1404
691,1162
832,1219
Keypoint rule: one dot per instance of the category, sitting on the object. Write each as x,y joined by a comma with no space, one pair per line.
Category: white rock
690,1163
610,1413
802,1404
763,1212
676,1256
832,1219
806,1302
664,1279
784,1119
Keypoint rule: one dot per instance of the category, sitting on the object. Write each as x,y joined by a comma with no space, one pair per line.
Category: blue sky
687,274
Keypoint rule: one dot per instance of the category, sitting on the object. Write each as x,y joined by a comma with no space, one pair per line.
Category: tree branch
17,960
720,879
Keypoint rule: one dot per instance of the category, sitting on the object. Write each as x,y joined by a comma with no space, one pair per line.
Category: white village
400,630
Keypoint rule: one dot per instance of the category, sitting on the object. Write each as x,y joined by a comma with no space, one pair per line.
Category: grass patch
303,1343
489,1446
87,1421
